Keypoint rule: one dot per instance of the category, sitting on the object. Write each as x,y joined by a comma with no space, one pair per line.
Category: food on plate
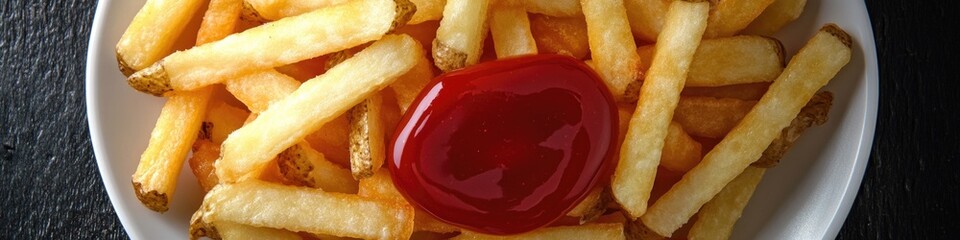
641,150
809,70
324,119
488,147
611,45
459,40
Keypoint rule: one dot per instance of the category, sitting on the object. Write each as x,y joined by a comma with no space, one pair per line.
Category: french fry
635,230
776,16
316,102
278,43
408,86
220,20
270,10
153,32
641,150
333,140
811,68
229,230
729,61
556,8
646,17
460,35
367,137
380,186
560,35
220,120
262,204
587,231
680,151
205,154
716,218
728,17
304,165
813,114
510,29
611,44
749,91
710,117
260,89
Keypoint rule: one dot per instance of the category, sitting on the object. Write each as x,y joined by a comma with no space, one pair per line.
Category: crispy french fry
716,218
710,117
813,114
220,120
680,151
205,154
282,42
270,10
775,17
304,165
316,102
749,91
641,150
730,61
587,231
333,140
728,17
460,35
380,186
220,20
560,35
556,8
153,32
367,137
510,29
229,230
408,86
180,119
809,70
611,44
262,204
646,17
259,90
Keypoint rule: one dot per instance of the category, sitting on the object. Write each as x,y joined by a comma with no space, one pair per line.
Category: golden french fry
408,86
728,17
220,120
316,102
262,204
205,154
560,35
587,231
641,150
220,20
749,91
813,114
230,230
710,117
260,89
510,29
333,140
716,218
775,17
367,137
592,207
811,68
646,17
556,8
153,32
304,165
729,61
460,35
680,151
278,43
270,10
611,44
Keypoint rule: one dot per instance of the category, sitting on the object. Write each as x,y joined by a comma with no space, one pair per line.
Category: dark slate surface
50,186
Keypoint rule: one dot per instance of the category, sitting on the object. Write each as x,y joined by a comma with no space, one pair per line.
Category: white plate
806,197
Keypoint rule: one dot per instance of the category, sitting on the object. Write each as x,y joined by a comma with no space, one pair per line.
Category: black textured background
50,187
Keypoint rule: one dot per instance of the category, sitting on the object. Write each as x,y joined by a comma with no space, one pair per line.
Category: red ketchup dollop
508,146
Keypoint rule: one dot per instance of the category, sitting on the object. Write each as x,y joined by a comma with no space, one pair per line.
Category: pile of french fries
288,106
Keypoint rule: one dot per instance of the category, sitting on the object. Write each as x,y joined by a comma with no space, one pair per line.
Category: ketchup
508,146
